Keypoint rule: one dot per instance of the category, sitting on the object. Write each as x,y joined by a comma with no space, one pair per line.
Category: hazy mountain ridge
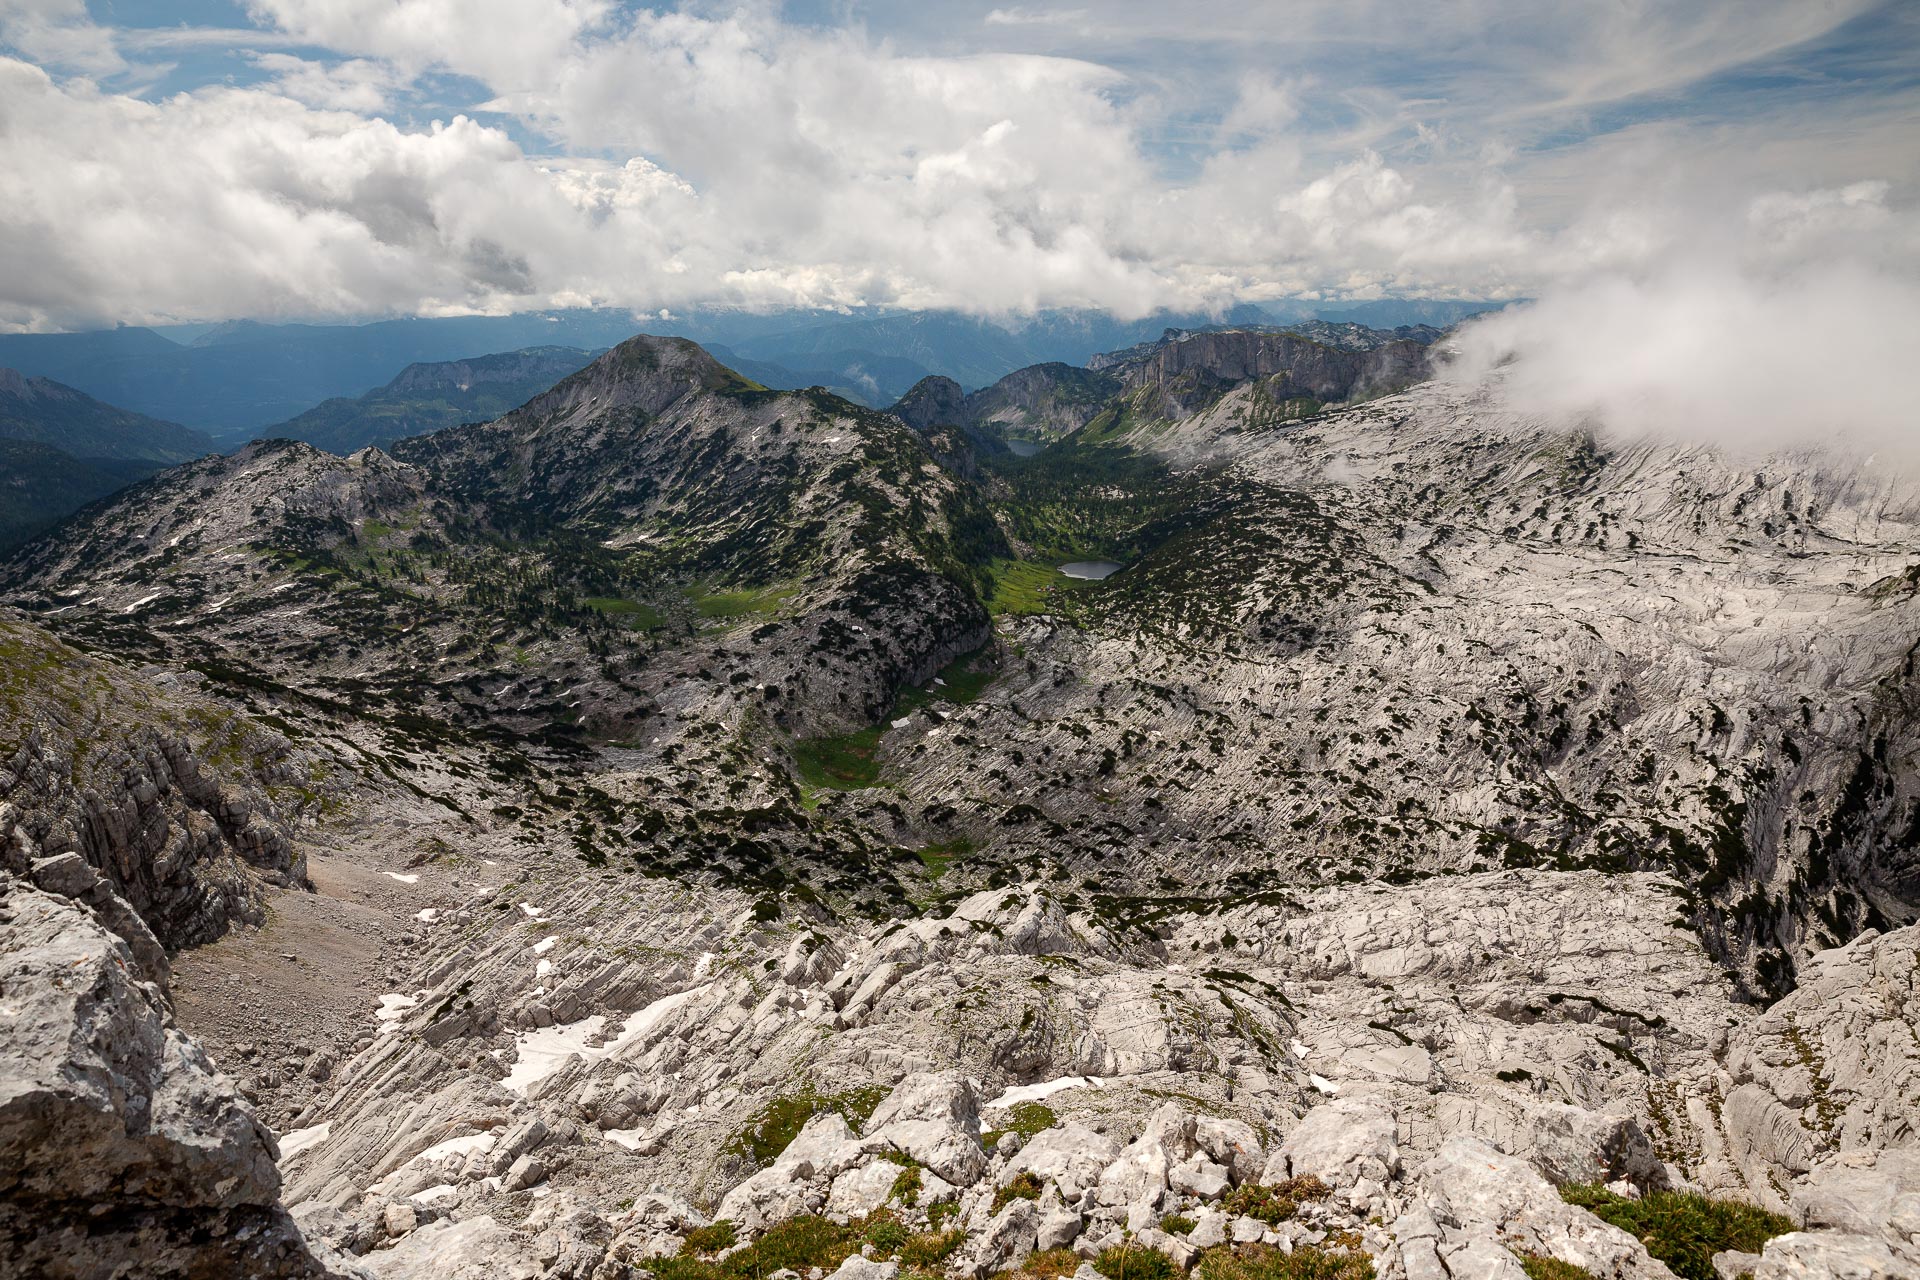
430,396
61,449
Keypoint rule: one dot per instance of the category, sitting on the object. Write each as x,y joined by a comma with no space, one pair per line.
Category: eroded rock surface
122,1151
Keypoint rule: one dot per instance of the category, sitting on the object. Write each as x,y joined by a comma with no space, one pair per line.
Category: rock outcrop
112,767
122,1151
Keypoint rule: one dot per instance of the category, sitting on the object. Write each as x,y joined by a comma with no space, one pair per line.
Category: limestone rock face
1340,1143
1829,1069
110,767
104,1101
1487,1200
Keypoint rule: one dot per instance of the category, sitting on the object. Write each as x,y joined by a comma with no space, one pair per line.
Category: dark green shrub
887,1235
1681,1229
709,1239
1276,1202
1025,1186
1176,1225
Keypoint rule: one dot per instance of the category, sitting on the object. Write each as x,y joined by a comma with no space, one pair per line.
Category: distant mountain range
61,449
429,396
236,380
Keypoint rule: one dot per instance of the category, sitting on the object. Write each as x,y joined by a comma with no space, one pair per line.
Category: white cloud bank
1800,325
725,156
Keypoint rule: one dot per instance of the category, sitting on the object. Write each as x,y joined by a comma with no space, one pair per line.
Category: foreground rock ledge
123,1153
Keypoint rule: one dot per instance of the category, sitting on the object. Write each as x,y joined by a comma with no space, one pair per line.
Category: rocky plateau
689,830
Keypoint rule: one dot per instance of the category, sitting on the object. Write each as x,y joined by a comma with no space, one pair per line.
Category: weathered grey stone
1071,1155
859,1268
1004,1244
104,1101
1339,1141
1832,1255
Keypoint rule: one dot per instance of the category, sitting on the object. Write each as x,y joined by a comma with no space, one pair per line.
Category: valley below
1248,806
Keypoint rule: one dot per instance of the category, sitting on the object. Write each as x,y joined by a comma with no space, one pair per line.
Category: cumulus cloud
1794,324
594,153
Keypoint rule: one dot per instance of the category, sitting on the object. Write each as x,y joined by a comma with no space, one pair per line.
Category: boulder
863,1188
1140,1174
104,1102
1071,1155
859,1268
1232,1144
1004,1244
1339,1141
1487,1201
1832,1255
1199,1177
936,1120
1865,1192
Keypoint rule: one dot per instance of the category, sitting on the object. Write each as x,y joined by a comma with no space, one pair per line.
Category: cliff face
99,762
1188,371
122,1151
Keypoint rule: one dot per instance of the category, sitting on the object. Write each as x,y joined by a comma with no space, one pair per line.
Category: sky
201,160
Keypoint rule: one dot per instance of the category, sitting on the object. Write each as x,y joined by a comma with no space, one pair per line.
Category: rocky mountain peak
932,401
645,374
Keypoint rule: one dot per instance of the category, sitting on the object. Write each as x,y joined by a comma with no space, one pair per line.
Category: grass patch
1176,1224
848,762
1276,1202
710,1239
1264,1262
1681,1229
643,616
780,1121
936,858
722,605
1023,1118
1540,1267
1050,1264
931,1248
1135,1262
1021,587
1026,1185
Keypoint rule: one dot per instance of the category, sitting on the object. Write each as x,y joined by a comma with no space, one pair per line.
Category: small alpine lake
1091,570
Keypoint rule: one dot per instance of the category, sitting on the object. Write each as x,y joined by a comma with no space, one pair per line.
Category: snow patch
292,1144
546,1050
393,1007
546,944
403,879
428,916
1034,1092
457,1147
